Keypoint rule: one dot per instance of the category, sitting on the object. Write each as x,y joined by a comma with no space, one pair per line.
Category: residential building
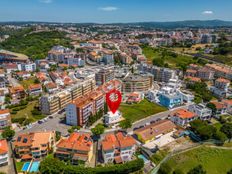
3,82
228,104
221,108
182,117
51,104
170,100
29,67
220,70
104,75
220,87
77,147
155,131
137,83
117,147
3,153
5,118
203,112
33,145
17,93
35,89
111,119
79,111
205,73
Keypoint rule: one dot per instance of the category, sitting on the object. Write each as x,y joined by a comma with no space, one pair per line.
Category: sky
111,11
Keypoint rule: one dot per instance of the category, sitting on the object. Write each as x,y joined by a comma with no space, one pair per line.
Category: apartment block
51,104
137,83
79,111
33,145
104,75
77,147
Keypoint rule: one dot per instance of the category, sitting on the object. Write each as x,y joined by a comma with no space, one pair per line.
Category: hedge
126,168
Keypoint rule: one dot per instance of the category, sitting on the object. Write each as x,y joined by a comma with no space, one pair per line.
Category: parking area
55,122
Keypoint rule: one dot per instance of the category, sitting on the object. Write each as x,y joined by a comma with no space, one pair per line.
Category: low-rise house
203,112
192,80
3,82
113,119
35,89
3,153
17,93
5,118
205,73
220,87
77,147
22,74
220,108
182,117
155,130
51,87
118,147
228,104
134,98
33,145
170,100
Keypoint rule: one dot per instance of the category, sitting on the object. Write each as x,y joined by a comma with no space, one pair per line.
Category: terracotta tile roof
26,157
228,102
218,105
118,140
76,141
183,113
155,129
3,147
193,79
4,111
16,89
34,86
222,80
51,85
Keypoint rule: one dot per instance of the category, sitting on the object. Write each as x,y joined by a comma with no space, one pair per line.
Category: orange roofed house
17,93
3,153
79,111
33,145
118,147
35,89
77,147
182,117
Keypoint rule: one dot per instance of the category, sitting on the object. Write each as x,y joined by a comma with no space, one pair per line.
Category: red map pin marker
113,100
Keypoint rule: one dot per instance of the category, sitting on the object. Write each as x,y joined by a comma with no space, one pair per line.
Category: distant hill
183,24
174,24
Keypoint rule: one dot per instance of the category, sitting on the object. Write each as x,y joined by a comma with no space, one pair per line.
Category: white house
111,119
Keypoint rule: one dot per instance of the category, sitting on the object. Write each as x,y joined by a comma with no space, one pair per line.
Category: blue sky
107,11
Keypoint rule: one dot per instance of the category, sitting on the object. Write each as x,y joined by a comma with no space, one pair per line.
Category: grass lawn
26,113
25,83
19,166
173,62
214,161
141,110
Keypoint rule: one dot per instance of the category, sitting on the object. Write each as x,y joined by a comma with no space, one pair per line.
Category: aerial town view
115,87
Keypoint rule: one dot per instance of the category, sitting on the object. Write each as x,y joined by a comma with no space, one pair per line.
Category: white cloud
109,8
46,1
207,12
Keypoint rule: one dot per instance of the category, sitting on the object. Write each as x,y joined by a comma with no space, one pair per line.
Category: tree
125,124
221,137
212,107
227,129
230,172
73,128
165,169
36,81
197,170
105,108
98,130
51,166
8,133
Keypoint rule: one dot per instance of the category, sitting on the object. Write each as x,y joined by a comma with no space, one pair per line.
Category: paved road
57,123
162,115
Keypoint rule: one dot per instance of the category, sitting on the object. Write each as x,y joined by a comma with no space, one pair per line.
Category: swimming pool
34,167
25,166
143,158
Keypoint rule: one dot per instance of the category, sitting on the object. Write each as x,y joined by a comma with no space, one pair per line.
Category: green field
169,59
25,83
19,166
140,110
26,113
213,160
